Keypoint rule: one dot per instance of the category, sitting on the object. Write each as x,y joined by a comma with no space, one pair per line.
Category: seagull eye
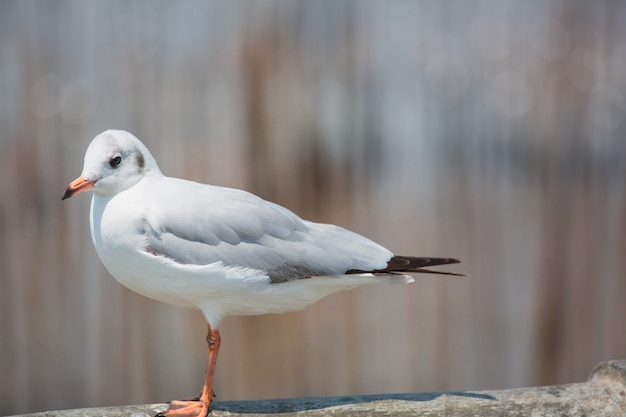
114,162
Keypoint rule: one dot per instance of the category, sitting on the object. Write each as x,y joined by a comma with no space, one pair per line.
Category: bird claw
187,408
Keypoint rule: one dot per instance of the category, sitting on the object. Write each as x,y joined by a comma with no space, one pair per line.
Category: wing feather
241,229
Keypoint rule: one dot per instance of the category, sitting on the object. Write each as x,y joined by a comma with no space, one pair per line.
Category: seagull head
115,161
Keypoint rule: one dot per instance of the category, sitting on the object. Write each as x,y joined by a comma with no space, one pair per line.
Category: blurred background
492,131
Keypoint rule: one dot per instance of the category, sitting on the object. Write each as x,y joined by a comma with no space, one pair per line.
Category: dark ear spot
140,161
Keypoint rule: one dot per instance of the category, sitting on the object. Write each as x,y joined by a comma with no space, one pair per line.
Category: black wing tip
428,271
440,261
413,264
417,265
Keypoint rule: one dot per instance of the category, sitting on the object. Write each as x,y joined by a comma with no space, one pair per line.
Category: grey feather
240,229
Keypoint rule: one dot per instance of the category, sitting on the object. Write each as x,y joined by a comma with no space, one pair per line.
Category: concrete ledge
604,394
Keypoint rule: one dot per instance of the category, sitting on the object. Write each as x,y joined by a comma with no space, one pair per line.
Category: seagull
219,250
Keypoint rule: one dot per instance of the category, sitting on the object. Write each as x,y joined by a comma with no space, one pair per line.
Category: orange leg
199,407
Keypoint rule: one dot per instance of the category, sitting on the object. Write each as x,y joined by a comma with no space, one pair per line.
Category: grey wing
246,231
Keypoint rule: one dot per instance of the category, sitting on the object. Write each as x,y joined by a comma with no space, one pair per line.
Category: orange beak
79,185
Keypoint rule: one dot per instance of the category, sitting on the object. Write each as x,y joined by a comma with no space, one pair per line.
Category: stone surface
604,394
610,370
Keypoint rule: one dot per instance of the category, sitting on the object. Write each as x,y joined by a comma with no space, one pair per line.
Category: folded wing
241,229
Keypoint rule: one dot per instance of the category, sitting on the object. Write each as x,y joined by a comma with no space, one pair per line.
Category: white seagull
219,250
